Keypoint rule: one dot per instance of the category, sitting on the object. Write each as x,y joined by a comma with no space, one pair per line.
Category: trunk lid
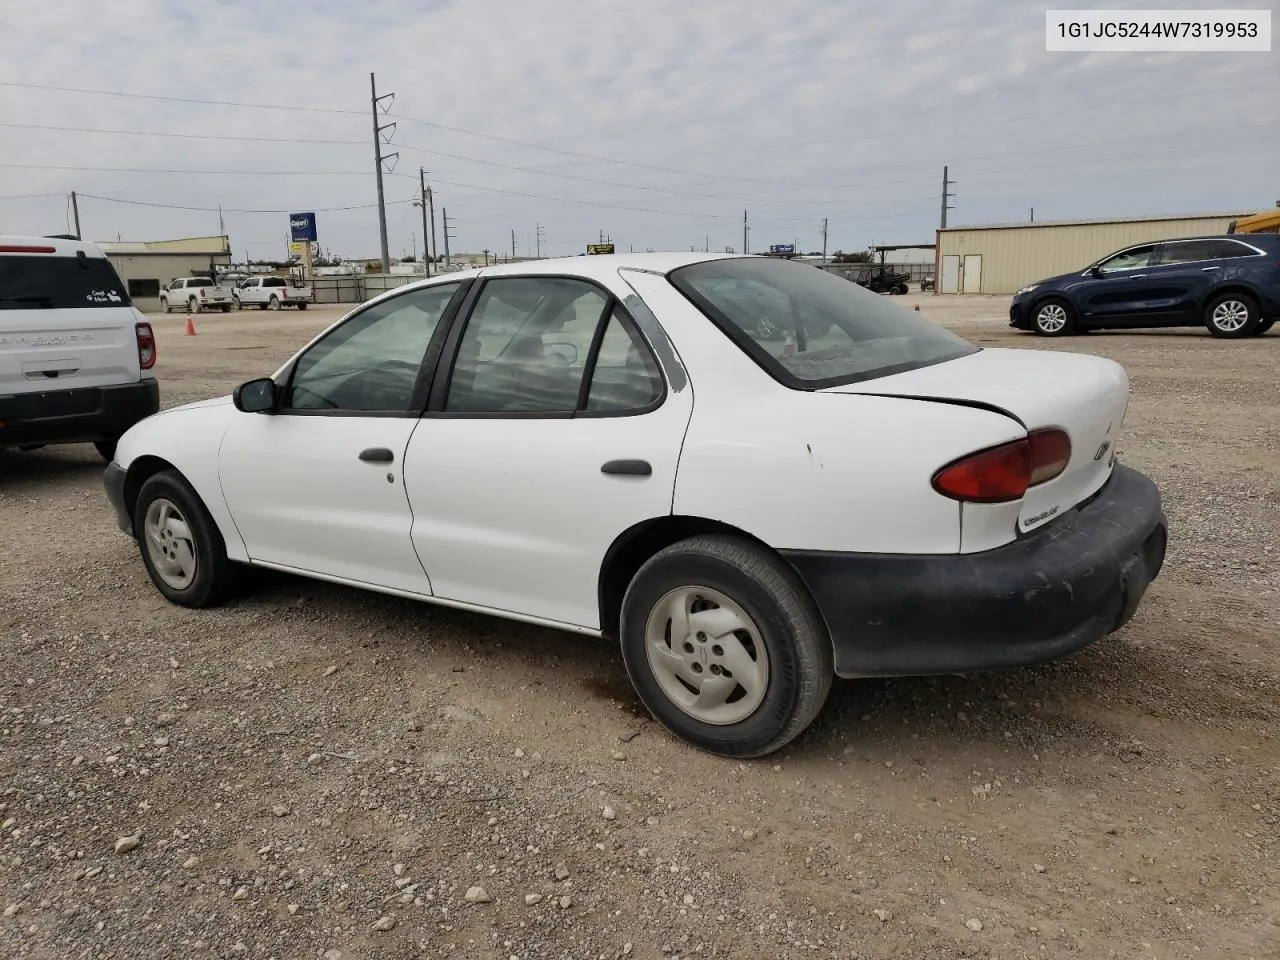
1083,395
65,323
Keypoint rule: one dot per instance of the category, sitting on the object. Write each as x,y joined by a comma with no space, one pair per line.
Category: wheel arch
629,551
139,472
1232,286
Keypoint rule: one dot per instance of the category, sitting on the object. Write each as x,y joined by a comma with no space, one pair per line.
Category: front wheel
235,302
1054,318
181,547
725,647
1232,315
164,305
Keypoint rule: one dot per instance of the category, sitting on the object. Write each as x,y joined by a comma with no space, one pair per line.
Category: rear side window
1189,251
60,283
1229,249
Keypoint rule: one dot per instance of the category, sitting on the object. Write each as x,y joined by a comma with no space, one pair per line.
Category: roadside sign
296,247
302,226
594,248
783,249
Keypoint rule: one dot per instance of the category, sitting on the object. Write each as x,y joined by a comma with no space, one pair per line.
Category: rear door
1181,276
65,322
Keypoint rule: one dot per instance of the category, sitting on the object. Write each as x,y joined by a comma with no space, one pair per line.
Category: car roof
61,246
595,266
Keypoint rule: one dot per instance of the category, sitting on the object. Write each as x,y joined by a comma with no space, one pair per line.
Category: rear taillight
146,345
1003,473
18,248
1050,452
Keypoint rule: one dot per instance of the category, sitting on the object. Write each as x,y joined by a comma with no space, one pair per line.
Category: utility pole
378,160
946,195
824,239
444,216
706,243
431,202
222,228
422,202
745,248
539,240
75,212
513,243
1033,214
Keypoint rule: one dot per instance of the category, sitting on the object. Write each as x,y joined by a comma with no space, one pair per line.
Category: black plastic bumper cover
1034,600
113,480
76,416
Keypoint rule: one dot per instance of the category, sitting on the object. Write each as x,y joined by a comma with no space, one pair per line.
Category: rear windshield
810,329
61,283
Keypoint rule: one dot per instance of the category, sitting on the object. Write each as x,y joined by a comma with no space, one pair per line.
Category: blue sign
783,248
302,226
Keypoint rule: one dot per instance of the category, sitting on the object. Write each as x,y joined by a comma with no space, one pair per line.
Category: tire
207,577
226,308
262,306
193,305
1232,315
235,302
274,303
1053,317
164,305
106,449
302,306
782,645
1264,326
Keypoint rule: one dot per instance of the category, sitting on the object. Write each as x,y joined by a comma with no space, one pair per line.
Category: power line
168,99
181,136
30,196
179,206
202,173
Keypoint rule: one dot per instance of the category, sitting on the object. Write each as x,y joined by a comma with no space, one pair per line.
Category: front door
550,432
1118,289
318,486
972,273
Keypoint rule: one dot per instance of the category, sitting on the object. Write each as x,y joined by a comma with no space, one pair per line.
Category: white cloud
862,104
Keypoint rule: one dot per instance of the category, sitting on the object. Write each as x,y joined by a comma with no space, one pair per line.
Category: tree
858,256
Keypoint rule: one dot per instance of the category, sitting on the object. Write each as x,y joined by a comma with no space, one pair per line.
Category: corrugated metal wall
1012,257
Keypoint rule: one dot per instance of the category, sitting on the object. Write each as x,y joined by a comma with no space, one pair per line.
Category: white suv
76,357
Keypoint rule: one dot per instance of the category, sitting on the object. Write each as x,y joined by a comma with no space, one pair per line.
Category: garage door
950,282
972,273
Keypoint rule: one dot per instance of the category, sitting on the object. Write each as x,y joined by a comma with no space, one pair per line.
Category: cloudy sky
655,121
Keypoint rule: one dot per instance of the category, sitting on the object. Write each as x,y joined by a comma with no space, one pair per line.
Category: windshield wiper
43,301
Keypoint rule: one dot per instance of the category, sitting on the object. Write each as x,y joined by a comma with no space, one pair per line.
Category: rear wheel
725,647
106,449
1232,315
181,547
302,306
193,305
226,308
1054,318
274,304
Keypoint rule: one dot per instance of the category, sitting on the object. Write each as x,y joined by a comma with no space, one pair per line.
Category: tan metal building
1002,257
146,267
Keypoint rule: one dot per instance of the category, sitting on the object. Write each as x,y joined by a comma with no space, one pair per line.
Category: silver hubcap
1230,315
1051,318
170,544
707,655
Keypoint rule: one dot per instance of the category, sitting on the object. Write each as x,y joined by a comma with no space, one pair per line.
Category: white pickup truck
271,293
195,294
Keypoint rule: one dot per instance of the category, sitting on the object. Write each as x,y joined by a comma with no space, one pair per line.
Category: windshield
810,329
59,283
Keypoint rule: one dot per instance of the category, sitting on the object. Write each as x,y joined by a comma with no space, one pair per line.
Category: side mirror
566,350
1095,271
255,396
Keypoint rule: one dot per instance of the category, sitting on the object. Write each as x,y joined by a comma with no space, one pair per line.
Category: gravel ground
317,772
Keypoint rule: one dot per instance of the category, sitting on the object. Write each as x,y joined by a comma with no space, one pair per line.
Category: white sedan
751,473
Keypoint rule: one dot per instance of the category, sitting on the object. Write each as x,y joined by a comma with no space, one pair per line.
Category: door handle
377,455
627,468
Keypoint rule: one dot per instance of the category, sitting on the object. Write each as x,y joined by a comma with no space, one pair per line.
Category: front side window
1128,259
810,329
371,362
45,281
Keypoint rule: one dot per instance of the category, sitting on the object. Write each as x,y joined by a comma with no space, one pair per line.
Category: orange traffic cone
191,326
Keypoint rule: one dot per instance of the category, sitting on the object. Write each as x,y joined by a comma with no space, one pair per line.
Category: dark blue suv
1230,284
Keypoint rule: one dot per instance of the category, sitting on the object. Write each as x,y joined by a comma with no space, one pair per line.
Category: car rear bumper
1036,599
75,416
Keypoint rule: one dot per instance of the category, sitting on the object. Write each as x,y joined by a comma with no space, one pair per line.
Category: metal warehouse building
146,267
1002,257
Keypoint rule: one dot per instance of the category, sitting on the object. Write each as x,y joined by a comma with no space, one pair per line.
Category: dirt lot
311,763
